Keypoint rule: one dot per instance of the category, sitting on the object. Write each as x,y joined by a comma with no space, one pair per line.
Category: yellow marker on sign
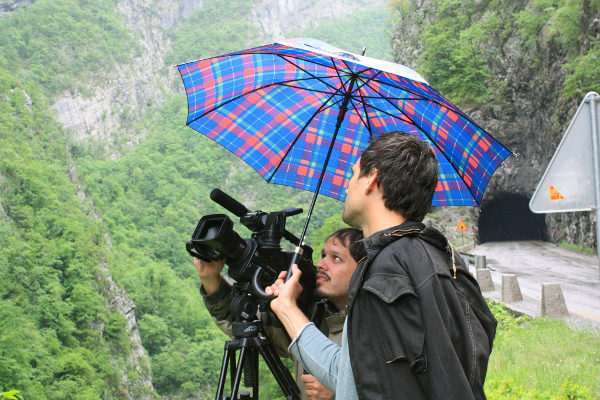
555,194
462,227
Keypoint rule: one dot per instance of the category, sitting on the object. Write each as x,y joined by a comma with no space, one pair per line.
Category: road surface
537,262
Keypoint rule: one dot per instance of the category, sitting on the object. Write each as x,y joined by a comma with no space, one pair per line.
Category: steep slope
518,69
113,148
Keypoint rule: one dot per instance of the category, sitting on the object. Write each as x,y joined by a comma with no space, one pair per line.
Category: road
537,262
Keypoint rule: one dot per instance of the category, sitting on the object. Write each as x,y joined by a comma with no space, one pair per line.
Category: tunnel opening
507,217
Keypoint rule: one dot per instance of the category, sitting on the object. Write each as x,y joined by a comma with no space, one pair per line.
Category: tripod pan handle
256,288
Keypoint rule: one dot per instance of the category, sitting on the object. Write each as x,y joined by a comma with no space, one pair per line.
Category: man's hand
314,389
210,274
292,318
287,292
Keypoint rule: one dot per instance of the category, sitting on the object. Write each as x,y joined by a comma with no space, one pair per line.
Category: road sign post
596,150
571,181
462,227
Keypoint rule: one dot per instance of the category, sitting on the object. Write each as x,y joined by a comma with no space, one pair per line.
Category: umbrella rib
397,98
343,84
449,105
412,121
337,71
405,89
309,73
318,78
365,82
297,58
382,111
321,108
364,104
305,89
337,102
366,123
374,78
438,102
247,93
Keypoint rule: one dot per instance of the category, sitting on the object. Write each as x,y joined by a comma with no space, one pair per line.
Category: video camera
259,259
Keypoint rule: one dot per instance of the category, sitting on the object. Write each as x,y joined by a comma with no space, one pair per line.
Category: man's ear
371,183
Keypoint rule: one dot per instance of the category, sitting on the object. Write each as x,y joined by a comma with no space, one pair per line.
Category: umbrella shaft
340,119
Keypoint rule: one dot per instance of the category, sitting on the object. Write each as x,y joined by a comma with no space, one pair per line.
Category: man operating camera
333,278
418,327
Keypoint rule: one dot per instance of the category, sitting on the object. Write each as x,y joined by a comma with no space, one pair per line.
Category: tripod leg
251,369
223,375
238,372
232,365
280,372
255,375
248,360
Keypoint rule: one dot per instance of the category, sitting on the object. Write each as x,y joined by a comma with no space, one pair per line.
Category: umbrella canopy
300,112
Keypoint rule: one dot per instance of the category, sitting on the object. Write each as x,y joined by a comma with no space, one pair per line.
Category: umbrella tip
364,49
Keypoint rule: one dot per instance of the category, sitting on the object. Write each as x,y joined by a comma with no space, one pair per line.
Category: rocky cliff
106,111
105,115
529,116
117,300
277,18
9,5
108,114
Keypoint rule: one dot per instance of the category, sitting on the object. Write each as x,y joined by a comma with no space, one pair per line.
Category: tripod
250,340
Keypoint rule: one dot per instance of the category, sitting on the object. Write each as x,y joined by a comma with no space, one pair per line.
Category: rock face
137,359
118,301
106,115
529,117
277,18
9,5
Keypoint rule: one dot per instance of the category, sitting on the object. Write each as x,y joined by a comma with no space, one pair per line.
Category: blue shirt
325,360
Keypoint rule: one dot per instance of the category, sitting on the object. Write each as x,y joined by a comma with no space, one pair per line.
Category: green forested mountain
58,337
68,207
71,209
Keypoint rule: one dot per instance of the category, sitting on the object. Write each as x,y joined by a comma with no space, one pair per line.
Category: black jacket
418,328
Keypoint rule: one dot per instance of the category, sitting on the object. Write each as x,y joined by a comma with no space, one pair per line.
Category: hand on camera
210,274
314,389
287,292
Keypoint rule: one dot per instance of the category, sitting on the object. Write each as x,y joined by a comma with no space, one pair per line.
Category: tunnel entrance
508,217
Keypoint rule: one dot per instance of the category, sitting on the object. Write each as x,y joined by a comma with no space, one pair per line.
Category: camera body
215,239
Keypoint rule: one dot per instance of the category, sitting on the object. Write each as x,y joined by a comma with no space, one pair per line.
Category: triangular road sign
462,227
555,194
570,174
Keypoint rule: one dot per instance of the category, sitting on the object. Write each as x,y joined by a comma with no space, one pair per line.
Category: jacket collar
371,246
435,238
377,241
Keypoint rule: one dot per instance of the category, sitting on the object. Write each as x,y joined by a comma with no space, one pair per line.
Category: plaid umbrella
300,112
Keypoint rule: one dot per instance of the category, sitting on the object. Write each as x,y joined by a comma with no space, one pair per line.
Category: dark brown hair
349,238
407,172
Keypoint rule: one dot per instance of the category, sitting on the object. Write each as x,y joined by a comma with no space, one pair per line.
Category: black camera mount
250,340
254,263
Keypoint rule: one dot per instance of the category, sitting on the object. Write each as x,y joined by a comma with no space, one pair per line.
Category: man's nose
322,264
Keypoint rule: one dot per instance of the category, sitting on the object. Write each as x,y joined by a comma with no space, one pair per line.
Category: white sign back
568,183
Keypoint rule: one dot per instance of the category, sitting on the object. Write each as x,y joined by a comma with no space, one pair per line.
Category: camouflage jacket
218,304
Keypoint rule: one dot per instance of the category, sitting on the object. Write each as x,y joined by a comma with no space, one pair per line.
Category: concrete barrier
484,278
480,262
553,302
510,289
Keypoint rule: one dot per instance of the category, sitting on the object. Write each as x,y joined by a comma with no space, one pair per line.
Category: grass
578,248
542,359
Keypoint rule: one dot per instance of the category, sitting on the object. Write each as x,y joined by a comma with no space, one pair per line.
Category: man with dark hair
417,326
407,173
333,278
